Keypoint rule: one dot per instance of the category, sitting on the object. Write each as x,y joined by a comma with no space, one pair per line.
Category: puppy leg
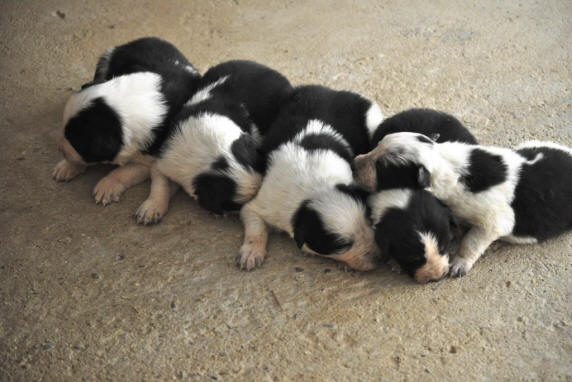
66,171
473,245
110,188
155,207
253,249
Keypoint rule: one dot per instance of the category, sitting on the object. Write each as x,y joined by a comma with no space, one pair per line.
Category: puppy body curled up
125,113
307,189
519,196
213,150
412,227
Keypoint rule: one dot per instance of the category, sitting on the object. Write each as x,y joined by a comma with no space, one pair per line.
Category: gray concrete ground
86,294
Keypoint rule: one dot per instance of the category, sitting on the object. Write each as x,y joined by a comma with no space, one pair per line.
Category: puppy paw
108,190
66,171
150,212
250,256
460,267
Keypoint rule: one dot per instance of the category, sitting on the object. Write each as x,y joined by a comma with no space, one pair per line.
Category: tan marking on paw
65,171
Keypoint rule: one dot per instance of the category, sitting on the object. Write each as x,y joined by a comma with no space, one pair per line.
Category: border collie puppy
520,196
124,115
213,149
307,189
440,126
411,226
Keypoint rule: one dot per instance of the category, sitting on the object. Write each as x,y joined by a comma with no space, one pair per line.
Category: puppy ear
434,136
423,177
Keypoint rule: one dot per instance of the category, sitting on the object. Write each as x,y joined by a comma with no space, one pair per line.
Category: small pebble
327,270
47,346
112,26
508,284
173,304
95,276
453,350
298,269
329,325
121,256
61,15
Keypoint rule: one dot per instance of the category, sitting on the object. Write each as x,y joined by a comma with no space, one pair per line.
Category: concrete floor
86,294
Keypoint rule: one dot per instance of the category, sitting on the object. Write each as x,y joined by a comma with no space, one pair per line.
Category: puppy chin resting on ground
307,188
520,196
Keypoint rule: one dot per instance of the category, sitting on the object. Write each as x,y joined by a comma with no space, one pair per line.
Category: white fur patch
205,93
373,118
138,101
382,201
315,126
199,141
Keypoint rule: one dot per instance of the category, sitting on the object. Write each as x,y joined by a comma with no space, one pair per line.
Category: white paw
251,255
460,267
65,171
108,190
150,212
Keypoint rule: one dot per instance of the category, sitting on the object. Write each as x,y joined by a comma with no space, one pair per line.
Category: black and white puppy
124,115
307,189
411,226
213,151
440,126
519,196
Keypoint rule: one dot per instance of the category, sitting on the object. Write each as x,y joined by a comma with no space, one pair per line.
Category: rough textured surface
86,294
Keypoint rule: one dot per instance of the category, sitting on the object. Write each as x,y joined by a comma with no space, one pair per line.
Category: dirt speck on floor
86,294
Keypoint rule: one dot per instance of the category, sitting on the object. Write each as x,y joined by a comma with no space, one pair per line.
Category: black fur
344,111
410,175
485,170
149,54
259,88
426,122
313,142
543,195
95,139
215,192
397,232
220,164
246,152
309,229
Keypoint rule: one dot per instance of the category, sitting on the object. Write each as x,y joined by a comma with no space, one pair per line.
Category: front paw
251,255
460,267
150,212
66,171
108,190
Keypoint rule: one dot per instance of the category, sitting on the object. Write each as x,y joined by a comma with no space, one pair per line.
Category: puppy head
92,129
399,160
334,223
418,232
233,178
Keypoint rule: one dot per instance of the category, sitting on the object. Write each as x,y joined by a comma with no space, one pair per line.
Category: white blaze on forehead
436,265
205,93
382,201
373,118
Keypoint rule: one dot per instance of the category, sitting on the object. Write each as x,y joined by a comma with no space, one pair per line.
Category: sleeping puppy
520,196
124,114
307,190
438,125
213,150
411,226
